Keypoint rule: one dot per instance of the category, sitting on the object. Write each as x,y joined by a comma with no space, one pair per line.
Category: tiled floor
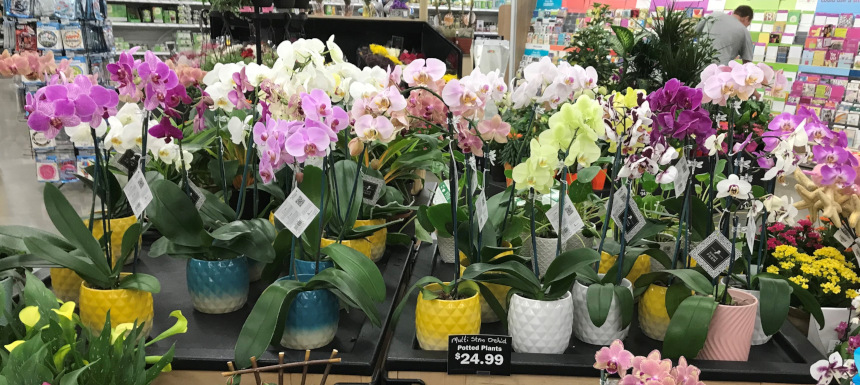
20,193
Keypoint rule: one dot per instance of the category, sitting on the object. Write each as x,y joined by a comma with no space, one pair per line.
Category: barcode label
481,210
572,221
297,212
681,177
138,193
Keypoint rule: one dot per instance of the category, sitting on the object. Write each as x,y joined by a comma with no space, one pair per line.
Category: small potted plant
540,313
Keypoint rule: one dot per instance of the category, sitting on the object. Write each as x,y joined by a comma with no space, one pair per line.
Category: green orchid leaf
625,304
69,224
675,294
688,329
352,289
357,265
174,215
71,260
142,282
129,240
599,298
774,303
260,325
587,174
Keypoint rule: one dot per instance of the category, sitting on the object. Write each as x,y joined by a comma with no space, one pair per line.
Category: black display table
785,359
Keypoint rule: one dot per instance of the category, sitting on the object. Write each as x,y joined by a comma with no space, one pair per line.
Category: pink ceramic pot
731,329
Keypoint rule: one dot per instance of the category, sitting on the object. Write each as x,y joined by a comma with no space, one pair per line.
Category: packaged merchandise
85,160
18,8
40,142
48,36
67,165
146,16
72,37
157,15
66,9
25,38
47,169
43,8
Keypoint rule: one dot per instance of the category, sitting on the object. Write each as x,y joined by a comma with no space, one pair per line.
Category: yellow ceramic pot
653,316
118,226
499,291
66,284
436,319
272,217
377,239
642,265
362,245
125,305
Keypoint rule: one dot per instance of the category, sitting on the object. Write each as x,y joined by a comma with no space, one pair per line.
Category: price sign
856,250
479,354
713,253
196,195
750,233
844,237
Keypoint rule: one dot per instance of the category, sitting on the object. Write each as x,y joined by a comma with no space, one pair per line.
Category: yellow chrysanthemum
786,265
850,293
772,269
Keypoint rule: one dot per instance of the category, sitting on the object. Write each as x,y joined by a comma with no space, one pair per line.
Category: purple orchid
153,71
177,95
316,105
339,119
238,99
122,72
840,175
830,155
785,123
166,130
308,141
200,109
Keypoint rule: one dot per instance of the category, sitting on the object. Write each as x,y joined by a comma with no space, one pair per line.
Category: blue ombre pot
218,287
312,319
307,267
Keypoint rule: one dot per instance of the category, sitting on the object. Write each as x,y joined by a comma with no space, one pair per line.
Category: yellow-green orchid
543,155
67,310
13,345
583,151
181,326
29,316
527,175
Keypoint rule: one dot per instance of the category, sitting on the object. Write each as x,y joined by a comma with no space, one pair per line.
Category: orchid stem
321,217
535,265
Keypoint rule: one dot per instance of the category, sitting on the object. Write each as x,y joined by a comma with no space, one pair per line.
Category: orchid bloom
368,129
307,141
824,371
613,359
714,144
494,129
733,186
423,72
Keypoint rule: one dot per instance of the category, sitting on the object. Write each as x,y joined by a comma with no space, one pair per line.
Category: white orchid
780,209
825,371
81,135
714,144
334,50
734,187
239,129
122,137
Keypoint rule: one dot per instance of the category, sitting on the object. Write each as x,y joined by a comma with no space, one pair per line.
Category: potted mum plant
540,313
127,297
216,245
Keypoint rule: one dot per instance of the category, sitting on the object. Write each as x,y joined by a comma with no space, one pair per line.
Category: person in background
729,34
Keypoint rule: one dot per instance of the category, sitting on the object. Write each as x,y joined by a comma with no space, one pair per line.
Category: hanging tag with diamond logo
713,254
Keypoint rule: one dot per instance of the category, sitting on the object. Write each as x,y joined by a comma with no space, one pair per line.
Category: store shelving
161,2
156,25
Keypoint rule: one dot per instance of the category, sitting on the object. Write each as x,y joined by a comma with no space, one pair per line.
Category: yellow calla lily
181,326
152,360
29,316
13,345
120,330
66,310
60,355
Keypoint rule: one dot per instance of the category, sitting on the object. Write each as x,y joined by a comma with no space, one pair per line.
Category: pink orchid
494,130
686,374
423,72
307,141
462,100
316,105
651,369
388,100
613,359
368,129
470,142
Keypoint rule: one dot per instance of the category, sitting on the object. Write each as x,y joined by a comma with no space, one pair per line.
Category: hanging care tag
855,248
196,195
315,161
442,194
127,162
372,189
633,219
138,193
713,253
572,222
682,176
750,233
481,210
474,174
297,212
844,238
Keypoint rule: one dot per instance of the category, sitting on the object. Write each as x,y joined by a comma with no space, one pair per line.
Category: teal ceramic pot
218,287
255,270
312,319
308,267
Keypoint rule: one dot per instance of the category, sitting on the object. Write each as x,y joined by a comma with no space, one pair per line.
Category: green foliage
590,46
688,328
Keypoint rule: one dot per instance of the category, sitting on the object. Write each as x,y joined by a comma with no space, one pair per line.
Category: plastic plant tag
442,194
750,232
138,193
373,187
127,162
633,219
572,221
481,210
713,253
196,195
682,176
297,212
844,238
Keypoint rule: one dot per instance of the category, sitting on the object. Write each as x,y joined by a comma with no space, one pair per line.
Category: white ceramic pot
758,336
546,248
540,326
825,340
446,249
584,329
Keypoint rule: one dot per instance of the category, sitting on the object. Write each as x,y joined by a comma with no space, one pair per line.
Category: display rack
163,26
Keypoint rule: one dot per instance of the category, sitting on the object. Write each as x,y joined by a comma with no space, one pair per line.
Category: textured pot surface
642,265
312,319
255,270
540,326
66,284
436,319
377,239
218,287
118,227
731,329
362,245
125,305
653,316
446,249
309,267
585,330
826,339
546,248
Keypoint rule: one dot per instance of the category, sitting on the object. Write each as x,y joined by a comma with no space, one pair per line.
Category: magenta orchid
57,106
165,129
122,72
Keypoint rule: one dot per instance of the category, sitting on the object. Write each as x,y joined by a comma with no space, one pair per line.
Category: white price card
844,238
138,193
372,187
682,176
442,194
572,221
297,212
481,210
